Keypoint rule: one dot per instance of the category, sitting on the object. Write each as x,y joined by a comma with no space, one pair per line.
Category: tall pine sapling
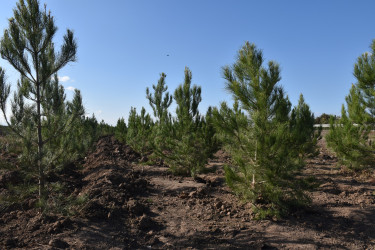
364,72
184,145
264,167
160,100
27,45
349,136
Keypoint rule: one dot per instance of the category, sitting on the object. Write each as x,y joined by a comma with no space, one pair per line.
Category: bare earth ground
133,206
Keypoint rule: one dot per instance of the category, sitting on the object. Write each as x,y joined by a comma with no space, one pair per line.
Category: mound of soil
108,149
114,209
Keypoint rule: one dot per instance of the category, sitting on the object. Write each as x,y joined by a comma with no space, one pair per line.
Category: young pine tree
211,141
160,100
364,71
185,145
139,131
121,130
63,126
264,165
349,136
302,129
27,45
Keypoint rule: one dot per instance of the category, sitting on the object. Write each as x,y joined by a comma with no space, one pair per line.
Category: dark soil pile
113,212
110,150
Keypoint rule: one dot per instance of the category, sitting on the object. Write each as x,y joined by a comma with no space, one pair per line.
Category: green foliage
185,142
186,156
121,130
70,133
39,112
349,136
302,129
61,202
89,131
65,205
105,129
159,101
364,71
17,194
139,131
259,135
232,125
211,141
324,118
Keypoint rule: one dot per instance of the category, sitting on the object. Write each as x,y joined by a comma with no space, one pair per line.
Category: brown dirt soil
131,206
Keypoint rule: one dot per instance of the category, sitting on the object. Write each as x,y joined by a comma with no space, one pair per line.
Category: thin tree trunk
256,150
40,149
42,192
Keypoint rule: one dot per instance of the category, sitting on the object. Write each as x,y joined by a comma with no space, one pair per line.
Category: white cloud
70,88
99,112
64,78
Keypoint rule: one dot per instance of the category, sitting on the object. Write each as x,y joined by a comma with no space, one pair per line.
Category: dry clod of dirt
58,243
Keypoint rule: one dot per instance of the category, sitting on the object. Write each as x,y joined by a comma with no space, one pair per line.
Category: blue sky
123,47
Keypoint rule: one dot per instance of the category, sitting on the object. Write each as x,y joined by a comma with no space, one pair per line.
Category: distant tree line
325,118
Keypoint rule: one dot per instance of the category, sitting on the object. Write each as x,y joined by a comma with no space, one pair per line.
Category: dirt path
141,207
342,213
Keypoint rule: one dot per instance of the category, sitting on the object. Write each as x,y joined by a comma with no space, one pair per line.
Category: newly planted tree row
267,139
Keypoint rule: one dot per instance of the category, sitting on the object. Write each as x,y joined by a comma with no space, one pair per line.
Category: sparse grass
310,183
10,143
61,203
262,213
18,193
7,165
207,170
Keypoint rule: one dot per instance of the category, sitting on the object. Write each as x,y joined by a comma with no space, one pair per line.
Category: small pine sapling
139,130
121,130
302,128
